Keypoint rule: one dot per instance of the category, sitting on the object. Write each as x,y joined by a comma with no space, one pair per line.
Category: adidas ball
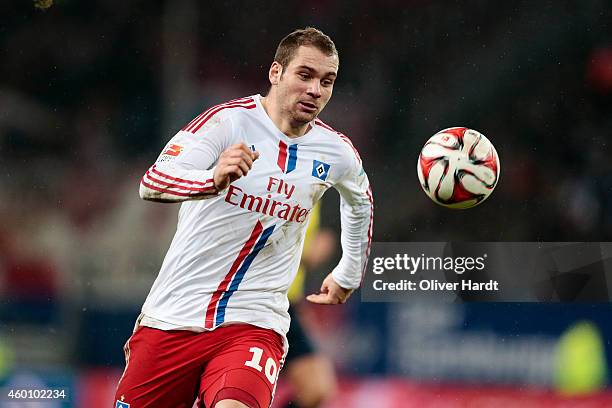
458,167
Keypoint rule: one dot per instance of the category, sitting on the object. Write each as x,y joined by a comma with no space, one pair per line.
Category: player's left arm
356,218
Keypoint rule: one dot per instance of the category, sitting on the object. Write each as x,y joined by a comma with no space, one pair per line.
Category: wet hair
308,36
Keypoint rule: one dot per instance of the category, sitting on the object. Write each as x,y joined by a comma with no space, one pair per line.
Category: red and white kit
236,251
234,255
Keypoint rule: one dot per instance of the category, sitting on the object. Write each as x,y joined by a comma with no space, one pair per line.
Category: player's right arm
195,166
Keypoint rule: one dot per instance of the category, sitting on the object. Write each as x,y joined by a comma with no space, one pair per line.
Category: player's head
303,73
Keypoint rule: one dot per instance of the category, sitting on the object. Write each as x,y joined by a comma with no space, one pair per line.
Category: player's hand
234,162
331,293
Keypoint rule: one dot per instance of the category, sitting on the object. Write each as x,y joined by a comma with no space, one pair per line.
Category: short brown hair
308,36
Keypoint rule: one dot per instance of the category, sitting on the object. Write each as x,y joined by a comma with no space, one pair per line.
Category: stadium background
90,92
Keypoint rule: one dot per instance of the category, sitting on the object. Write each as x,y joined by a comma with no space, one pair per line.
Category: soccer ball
458,167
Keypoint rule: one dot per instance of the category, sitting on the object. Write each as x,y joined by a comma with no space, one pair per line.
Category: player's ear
276,70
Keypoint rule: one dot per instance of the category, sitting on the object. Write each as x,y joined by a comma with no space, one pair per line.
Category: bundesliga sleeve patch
170,153
173,150
120,404
320,170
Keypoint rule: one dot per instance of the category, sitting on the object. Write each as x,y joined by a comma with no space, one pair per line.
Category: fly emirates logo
266,205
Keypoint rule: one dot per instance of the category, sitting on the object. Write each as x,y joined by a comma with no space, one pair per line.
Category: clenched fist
234,162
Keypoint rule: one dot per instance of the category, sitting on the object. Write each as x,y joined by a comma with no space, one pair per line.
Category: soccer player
248,172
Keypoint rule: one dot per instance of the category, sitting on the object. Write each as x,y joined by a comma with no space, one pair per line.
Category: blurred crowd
91,91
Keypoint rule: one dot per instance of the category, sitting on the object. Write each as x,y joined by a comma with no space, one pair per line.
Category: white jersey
236,251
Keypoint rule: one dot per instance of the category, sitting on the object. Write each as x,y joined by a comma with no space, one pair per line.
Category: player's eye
303,76
327,82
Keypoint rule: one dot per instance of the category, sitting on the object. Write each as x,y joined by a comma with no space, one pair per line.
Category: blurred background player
310,373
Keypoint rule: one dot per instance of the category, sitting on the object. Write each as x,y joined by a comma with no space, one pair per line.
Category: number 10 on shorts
270,370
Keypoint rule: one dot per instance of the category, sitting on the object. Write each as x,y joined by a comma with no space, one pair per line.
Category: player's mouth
308,106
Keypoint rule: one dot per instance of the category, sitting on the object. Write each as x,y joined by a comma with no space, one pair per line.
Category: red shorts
177,367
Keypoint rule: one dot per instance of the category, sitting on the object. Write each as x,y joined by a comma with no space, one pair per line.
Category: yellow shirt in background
296,290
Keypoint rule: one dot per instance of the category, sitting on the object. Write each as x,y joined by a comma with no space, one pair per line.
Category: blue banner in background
497,343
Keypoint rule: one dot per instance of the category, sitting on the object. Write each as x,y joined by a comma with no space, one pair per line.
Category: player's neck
283,123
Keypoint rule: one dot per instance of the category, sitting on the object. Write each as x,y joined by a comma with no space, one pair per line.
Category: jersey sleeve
356,220
184,169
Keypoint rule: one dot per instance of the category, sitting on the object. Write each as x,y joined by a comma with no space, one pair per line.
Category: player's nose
314,89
